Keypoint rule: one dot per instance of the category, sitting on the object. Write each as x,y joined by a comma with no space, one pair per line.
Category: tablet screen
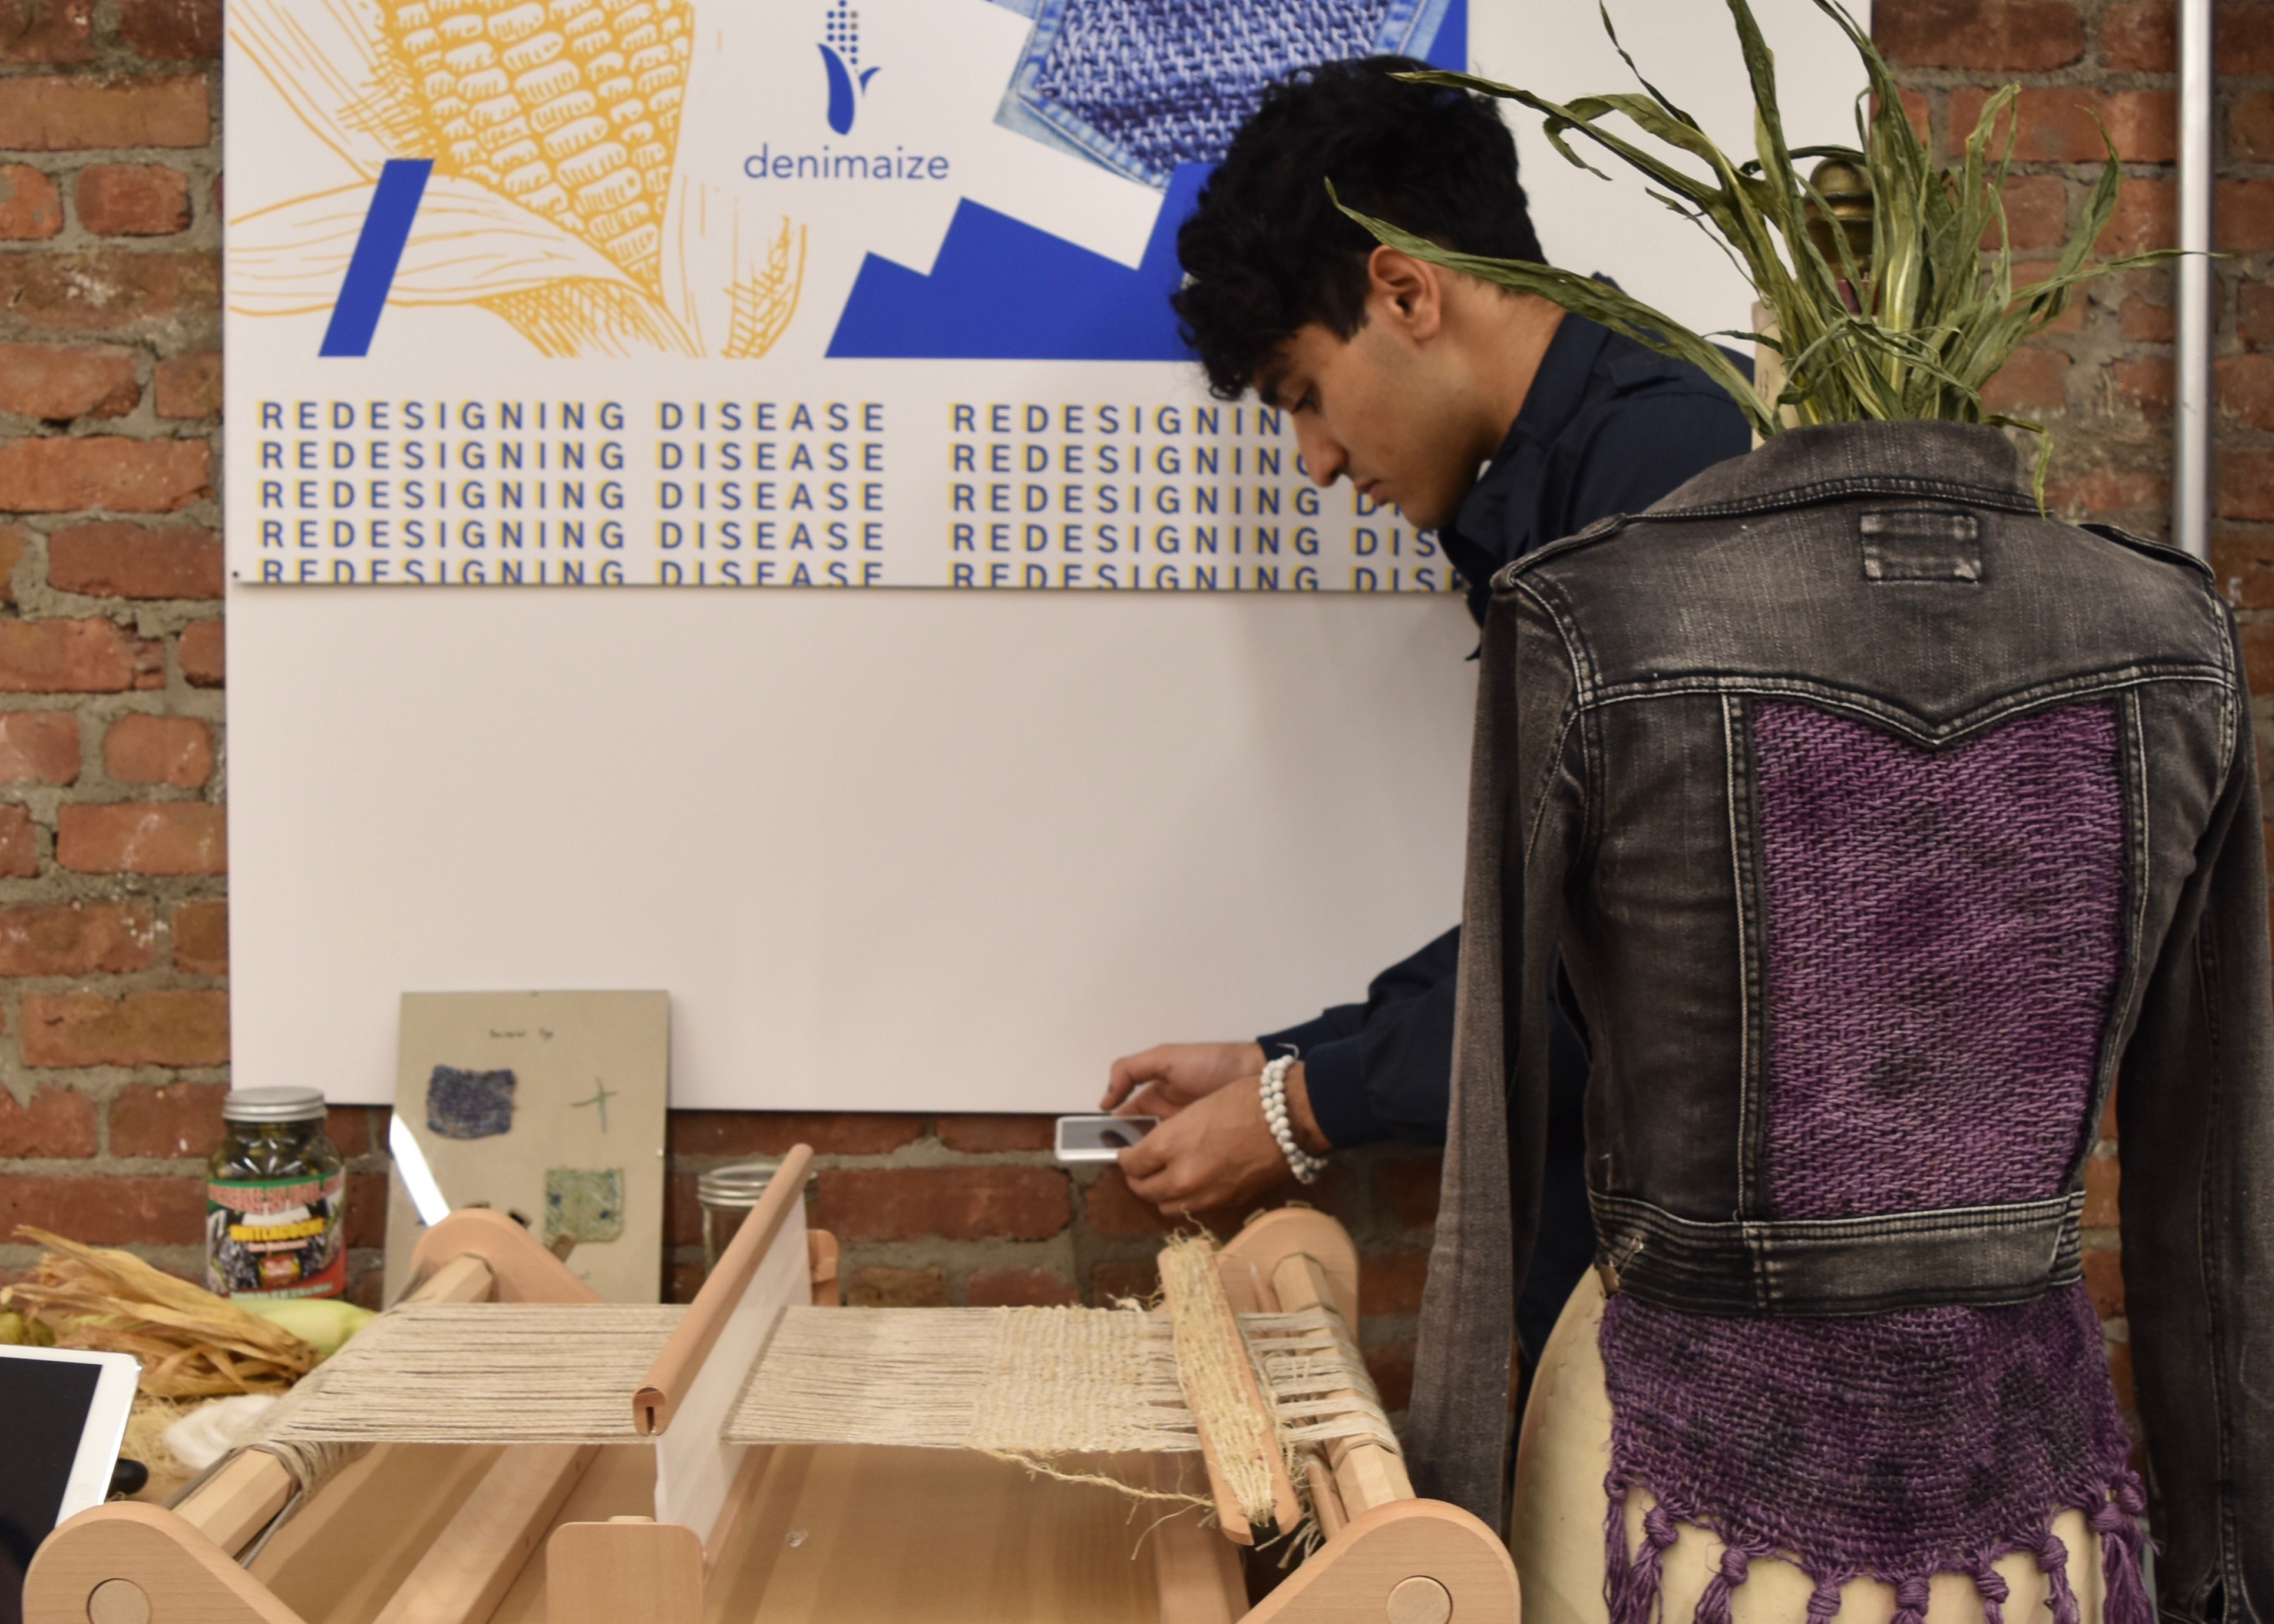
46,1404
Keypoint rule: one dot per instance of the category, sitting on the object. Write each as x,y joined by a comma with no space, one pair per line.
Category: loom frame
433,1534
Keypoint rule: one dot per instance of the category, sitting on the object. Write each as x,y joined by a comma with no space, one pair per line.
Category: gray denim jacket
1901,575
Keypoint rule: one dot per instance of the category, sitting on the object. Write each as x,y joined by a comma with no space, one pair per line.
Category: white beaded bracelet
1301,1162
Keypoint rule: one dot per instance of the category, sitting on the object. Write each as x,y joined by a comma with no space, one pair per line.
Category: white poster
768,293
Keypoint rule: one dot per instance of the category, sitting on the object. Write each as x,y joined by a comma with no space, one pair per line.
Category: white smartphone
67,1415
1100,1139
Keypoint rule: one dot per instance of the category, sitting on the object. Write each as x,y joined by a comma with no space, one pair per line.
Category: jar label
275,1237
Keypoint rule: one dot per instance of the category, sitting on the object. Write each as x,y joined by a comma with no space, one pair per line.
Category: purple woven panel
1893,1446
1944,932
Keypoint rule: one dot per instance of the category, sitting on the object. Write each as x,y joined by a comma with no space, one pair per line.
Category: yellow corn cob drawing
765,300
568,107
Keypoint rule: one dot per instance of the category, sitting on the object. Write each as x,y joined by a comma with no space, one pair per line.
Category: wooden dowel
245,1494
468,1569
676,1367
1368,1474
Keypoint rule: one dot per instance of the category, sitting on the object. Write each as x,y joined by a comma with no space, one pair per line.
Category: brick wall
113,939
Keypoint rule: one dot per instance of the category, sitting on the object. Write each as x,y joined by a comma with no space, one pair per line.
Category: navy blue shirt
1607,426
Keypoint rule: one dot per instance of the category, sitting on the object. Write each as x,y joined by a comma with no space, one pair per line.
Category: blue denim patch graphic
1142,86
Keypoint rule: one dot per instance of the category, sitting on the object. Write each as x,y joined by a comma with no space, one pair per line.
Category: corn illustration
568,107
557,201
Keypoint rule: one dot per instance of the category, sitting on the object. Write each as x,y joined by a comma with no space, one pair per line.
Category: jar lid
740,1185
273,1105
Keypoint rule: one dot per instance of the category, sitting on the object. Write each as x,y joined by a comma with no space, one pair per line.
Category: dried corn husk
191,1343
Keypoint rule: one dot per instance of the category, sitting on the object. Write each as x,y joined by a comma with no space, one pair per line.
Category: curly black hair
1266,250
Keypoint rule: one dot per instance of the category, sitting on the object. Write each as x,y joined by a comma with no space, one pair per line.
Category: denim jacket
1899,576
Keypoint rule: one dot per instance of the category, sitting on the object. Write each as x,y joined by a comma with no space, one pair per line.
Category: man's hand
1169,1077
1218,1150
1214,1152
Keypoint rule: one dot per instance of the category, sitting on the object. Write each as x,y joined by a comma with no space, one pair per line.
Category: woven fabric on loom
482,1372
1944,936
1038,1381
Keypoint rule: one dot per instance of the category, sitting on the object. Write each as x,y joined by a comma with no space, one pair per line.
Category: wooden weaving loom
676,1526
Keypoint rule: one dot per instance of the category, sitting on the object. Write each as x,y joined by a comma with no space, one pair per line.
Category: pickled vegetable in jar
275,1198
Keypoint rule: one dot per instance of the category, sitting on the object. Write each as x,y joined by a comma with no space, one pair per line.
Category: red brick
2031,380
2058,123
188,386
123,291
348,1129
681,1282
12,540
39,747
2146,216
2072,319
158,750
2145,323
1391,1366
76,938
682,1213
2242,216
30,205
48,113
2101,1179
46,31
57,382
167,1120
2004,34
20,844
2146,384
115,558
142,1028
111,1210
2257,312
2243,386
57,473
2258,657
133,199
2250,127
2140,36
201,938
2036,212
2245,42
172,30
958,1203
138,837
744,1134
879,1286
2103,1282
366,1214
1916,108
1019,1287
1136,1279
1407,1191
366,1288
2246,489
201,652
91,655
983,1135
1111,1208
1390,1282
59,1121
2104,491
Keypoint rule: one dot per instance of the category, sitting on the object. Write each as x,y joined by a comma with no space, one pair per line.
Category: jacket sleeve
2195,1133
1527,794
1377,1070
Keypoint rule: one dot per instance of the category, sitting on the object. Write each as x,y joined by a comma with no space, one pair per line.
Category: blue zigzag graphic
1004,291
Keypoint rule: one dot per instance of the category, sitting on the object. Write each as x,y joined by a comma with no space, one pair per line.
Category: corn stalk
1915,330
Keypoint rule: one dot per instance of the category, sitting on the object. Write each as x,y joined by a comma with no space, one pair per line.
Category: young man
1409,380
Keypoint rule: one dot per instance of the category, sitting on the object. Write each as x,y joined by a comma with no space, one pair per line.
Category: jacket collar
1931,459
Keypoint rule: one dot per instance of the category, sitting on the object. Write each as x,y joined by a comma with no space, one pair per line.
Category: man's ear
1407,293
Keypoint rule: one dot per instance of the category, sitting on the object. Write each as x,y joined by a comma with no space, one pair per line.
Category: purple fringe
1633,1587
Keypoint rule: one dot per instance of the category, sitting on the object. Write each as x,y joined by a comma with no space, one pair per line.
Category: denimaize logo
840,59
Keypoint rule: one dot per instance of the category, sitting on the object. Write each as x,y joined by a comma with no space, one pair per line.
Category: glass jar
726,1195
275,1198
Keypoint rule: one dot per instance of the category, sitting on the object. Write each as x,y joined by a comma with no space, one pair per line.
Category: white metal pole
2191,423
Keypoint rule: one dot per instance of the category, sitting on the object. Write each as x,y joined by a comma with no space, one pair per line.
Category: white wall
902,849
